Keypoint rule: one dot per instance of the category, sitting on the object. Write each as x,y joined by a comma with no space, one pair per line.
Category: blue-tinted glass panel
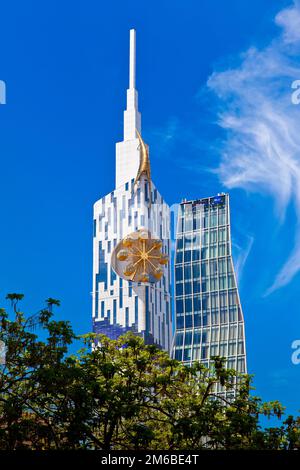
179,243
197,337
187,354
188,288
188,338
179,339
178,354
196,287
196,221
136,310
179,306
197,303
127,316
188,305
204,286
205,302
187,271
115,311
179,289
179,273
180,322
188,224
196,271
204,269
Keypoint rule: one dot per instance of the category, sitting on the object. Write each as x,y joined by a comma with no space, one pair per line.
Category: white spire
127,151
132,59
132,117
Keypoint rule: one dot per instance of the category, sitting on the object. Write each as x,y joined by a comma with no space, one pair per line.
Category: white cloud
261,151
242,253
289,20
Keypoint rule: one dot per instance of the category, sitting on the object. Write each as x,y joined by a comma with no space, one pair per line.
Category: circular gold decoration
138,258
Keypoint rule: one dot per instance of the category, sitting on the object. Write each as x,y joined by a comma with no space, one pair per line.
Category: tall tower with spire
131,242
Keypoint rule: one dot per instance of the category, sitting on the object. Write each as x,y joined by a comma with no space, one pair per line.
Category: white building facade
120,305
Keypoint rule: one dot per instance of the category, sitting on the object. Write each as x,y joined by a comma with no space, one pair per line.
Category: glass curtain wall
209,318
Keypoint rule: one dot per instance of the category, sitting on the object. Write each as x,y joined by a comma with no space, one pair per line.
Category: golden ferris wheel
139,258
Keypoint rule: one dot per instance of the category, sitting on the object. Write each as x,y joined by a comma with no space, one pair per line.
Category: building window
188,305
179,244
189,321
180,224
188,271
197,336
197,303
204,352
115,312
204,269
179,339
232,297
187,354
223,282
188,287
213,252
241,366
196,254
179,289
136,311
196,287
189,223
178,354
120,296
188,338
196,221
179,273
196,271
179,306
180,322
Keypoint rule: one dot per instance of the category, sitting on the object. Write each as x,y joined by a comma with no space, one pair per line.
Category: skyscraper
209,318
125,296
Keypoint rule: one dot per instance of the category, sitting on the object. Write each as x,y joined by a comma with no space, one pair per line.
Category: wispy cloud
261,151
242,253
166,135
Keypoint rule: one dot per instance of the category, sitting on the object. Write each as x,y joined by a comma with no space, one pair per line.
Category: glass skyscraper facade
209,318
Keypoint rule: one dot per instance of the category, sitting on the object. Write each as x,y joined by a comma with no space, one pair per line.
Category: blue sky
214,82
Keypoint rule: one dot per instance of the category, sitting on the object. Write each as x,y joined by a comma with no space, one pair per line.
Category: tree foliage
121,394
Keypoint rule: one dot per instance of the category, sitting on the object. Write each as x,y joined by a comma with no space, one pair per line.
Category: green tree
24,418
121,394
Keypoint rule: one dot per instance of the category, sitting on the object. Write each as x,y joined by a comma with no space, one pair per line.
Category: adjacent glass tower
209,318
